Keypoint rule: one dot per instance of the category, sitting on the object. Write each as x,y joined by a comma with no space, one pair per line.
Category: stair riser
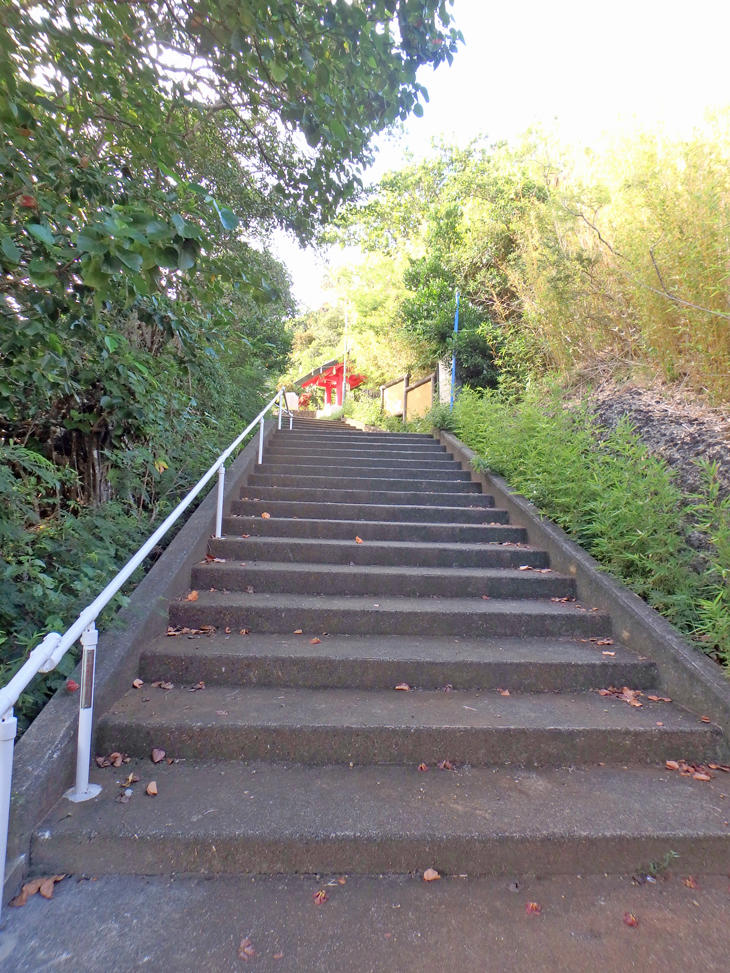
368,854
396,498
429,556
451,474
370,512
450,584
377,531
380,621
324,745
385,483
322,673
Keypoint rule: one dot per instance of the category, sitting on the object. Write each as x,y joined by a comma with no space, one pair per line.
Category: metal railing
46,656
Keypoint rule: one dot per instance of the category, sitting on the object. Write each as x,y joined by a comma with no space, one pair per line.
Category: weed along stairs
375,673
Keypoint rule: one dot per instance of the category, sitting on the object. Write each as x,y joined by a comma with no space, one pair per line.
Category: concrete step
393,580
475,727
420,555
359,615
339,454
292,460
351,436
384,482
395,530
437,514
357,662
414,497
449,471
231,818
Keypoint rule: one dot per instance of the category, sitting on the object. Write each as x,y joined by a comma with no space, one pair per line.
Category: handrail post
281,396
219,501
82,789
291,421
261,440
8,727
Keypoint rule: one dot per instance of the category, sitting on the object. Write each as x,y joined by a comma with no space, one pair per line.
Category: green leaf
278,71
41,232
418,110
42,273
8,247
131,259
89,245
229,220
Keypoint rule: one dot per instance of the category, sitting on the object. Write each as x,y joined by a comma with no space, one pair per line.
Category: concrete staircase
380,563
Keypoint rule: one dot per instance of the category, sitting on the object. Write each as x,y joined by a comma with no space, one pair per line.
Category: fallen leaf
320,897
132,779
245,535
43,885
605,652
137,684
265,516
358,540
430,875
671,765
403,686
525,567
446,765
423,767
151,788
197,686
630,919
246,950
160,684
277,956
193,596
533,908
342,880
603,641
701,776
315,641
503,692
72,685
221,712
298,631
485,598
690,882
245,631
705,719
157,755
659,699
659,723
228,630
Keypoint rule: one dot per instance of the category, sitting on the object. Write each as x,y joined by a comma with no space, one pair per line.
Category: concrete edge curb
44,761
686,675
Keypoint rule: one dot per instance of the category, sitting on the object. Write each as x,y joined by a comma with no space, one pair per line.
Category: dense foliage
604,262
149,149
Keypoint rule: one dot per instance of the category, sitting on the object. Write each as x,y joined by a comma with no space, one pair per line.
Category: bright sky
586,68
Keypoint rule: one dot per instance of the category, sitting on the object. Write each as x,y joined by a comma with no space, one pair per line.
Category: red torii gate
332,379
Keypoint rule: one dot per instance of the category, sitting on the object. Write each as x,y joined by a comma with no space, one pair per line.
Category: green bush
615,499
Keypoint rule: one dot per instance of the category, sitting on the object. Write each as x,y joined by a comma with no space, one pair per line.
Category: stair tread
378,570
536,651
485,546
384,603
200,802
417,710
360,527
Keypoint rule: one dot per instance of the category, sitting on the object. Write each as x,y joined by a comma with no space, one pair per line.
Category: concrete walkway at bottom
369,925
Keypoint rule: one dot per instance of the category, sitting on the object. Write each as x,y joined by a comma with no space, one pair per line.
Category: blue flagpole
453,357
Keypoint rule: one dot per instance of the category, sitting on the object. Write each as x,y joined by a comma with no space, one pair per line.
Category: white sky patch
588,70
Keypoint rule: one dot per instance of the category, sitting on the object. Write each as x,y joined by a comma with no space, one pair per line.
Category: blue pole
453,357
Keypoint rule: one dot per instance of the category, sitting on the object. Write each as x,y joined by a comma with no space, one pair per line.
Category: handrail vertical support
291,421
219,502
8,728
261,441
281,405
82,789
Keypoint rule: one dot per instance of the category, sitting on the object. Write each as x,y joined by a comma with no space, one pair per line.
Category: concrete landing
372,925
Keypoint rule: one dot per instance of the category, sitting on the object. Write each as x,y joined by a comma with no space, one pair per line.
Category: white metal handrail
46,656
